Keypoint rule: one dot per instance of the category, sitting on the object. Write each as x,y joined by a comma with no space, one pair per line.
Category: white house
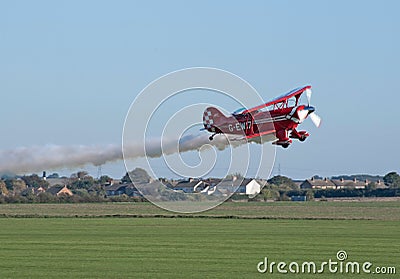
253,188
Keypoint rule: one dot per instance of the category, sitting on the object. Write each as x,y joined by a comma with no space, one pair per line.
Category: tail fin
212,117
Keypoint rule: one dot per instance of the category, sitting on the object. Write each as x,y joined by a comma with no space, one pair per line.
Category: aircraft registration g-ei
276,120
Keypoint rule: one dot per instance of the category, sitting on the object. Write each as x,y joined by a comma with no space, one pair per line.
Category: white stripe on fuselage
275,119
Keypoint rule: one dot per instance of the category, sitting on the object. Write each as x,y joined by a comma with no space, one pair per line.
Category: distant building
115,190
380,185
246,186
59,191
249,186
122,189
354,184
335,184
190,186
317,184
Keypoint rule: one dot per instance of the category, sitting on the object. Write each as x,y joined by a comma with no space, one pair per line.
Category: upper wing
282,98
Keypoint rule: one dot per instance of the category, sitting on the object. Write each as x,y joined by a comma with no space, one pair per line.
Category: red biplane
276,120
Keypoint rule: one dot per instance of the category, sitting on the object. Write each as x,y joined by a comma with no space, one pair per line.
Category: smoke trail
37,158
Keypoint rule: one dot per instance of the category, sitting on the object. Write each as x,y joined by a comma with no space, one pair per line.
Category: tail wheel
212,136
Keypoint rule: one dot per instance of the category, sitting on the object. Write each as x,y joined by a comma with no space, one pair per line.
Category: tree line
88,189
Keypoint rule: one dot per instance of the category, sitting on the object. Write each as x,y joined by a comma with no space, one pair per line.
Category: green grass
48,245
274,210
185,247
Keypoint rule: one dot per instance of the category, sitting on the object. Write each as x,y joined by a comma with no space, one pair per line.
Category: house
249,186
59,191
122,189
226,187
132,191
245,186
336,184
190,186
216,186
317,184
354,184
115,190
380,185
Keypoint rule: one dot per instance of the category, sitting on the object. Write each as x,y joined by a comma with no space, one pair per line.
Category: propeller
308,94
315,118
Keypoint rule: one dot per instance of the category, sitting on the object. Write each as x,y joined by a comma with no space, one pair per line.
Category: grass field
192,247
273,210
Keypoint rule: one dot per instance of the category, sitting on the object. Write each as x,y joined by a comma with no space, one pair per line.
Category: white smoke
37,158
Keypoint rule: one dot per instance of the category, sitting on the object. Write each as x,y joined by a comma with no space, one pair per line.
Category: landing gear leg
211,137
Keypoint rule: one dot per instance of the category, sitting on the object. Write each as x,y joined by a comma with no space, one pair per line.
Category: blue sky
70,69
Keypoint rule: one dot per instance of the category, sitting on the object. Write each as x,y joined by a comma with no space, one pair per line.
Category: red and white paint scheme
276,120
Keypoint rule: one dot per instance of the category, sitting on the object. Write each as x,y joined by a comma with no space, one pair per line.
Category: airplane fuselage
255,124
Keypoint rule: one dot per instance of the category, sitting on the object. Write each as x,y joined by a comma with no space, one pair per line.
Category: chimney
366,181
312,178
342,180
44,175
355,180
326,180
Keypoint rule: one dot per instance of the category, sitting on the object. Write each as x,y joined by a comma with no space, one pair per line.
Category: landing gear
300,135
284,143
211,137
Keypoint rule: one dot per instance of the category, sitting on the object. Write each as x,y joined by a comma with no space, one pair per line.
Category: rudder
212,117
